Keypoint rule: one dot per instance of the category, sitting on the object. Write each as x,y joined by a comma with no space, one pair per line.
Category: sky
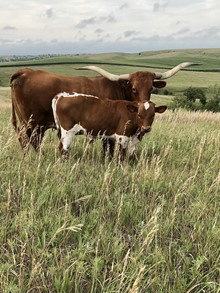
32,27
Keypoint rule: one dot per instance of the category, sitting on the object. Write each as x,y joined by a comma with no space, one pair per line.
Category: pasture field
92,225
203,76
176,84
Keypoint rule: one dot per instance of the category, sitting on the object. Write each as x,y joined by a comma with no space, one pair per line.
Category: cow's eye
134,90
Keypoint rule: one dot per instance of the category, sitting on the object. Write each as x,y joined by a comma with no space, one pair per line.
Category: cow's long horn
104,73
174,70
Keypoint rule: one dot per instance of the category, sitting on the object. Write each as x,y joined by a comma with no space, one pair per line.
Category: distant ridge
162,59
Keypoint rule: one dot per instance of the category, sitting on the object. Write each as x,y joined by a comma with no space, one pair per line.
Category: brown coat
118,120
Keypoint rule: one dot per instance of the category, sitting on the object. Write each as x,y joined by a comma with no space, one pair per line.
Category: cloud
5,41
123,6
85,22
180,32
211,32
130,33
9,28
95,20
49,13
159,7
98,30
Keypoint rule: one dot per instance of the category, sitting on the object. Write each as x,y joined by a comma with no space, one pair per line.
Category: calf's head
145,115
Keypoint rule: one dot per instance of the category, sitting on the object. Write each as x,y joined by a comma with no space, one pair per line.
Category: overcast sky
96,26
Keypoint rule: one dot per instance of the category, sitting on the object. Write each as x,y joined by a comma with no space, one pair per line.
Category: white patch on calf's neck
146,105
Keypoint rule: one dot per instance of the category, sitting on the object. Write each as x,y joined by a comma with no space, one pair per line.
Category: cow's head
145,115
140,84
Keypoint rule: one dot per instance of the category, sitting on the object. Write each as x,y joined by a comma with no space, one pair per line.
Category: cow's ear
159,84
132,108
160,109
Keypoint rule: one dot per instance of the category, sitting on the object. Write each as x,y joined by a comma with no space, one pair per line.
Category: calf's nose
145,129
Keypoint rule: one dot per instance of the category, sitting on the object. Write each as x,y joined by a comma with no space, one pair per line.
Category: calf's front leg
65,142
122,153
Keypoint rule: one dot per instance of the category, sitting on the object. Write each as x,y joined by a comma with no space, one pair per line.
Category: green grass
89,225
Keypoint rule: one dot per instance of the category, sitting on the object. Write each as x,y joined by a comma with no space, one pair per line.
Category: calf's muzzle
145,129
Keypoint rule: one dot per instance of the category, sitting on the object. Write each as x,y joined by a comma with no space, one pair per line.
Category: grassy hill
204,76
155,59
92,225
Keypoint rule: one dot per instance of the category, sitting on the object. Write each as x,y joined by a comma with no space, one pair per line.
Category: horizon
113,52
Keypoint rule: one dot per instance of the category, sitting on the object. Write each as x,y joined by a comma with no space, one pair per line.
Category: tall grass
92,225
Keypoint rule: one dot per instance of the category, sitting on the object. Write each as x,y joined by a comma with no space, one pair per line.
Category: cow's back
33,91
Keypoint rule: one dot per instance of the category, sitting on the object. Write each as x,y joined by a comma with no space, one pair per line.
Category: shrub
192,99
194,94
213,103
181,102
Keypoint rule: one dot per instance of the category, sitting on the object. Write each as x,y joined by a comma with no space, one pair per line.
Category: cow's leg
30,136
23,137
36,137
65,142
108,147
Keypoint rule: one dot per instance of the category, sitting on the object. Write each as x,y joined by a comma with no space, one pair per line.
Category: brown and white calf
124,122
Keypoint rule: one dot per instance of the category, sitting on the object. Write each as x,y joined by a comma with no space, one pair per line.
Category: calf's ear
160,109
132,108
